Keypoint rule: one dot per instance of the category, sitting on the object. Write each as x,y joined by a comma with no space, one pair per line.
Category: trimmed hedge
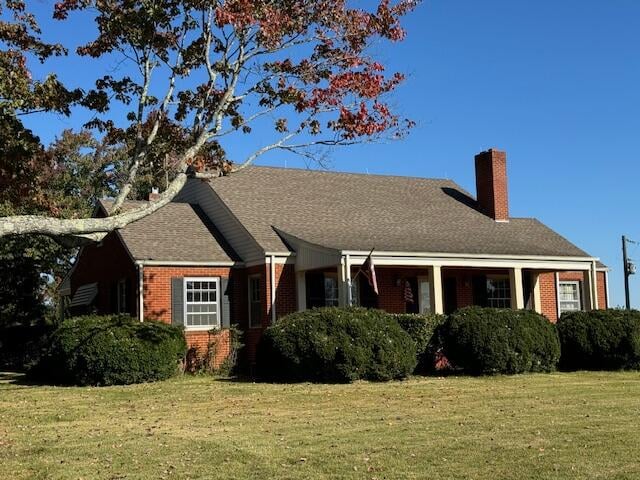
484,341
420,328
336,345
111,350
600,340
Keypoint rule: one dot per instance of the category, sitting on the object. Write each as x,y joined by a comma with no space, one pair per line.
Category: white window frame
333,276
121,289
250,278
506,299
422,308
578,285
186,302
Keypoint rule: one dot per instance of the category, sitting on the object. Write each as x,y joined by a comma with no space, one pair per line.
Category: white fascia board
480,262
377,253
177,263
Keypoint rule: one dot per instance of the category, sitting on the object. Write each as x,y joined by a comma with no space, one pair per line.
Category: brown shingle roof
347,211
175,232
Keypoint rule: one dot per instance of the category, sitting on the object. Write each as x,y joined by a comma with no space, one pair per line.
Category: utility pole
629,269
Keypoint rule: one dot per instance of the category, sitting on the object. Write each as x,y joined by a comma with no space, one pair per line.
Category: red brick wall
106,263
157,302
491,184
286,296
548,298
602,290
601,284
548,291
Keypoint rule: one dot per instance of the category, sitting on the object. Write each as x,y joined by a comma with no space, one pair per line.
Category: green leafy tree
200,73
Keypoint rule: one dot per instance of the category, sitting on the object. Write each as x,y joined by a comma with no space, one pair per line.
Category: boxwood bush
484,341
600,340
336,345
111,350
420,328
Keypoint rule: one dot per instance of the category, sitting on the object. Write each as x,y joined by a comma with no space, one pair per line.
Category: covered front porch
443,284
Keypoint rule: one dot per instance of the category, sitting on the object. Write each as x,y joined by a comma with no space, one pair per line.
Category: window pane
331,291
498,292
201,303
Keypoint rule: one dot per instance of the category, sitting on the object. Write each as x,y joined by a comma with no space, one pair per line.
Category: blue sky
555,84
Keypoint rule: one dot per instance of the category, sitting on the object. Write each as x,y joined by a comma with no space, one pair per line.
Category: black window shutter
225,304
177,301
113,297
480,290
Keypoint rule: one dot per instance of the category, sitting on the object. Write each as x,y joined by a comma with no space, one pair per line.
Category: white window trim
201,328
421,308
249,278
578,285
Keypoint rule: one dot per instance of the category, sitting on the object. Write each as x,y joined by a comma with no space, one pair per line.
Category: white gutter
280,254
140,266
272,282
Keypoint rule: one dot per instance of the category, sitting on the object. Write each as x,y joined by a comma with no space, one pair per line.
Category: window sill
201,328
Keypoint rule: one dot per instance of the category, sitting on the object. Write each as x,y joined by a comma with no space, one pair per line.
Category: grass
582,425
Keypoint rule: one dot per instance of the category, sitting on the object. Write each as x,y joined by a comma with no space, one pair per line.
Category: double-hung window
498,292
255,305
202,303
569,296
331,289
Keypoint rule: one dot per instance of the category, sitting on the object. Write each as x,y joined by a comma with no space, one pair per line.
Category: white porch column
594,285
301,290
342,283
591,288
535,286
517,293
435,285
347,271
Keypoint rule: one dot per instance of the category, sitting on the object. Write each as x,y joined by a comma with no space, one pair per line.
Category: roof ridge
332,172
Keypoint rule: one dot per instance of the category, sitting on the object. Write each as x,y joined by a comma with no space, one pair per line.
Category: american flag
369,271
408,293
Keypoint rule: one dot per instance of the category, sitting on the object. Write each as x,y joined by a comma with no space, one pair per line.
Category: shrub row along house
251,247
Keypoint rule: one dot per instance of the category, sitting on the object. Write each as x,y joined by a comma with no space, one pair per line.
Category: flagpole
351,280
360,269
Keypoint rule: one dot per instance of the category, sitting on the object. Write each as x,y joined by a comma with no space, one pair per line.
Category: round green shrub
420,328
336,345
485,341
111,350
600,340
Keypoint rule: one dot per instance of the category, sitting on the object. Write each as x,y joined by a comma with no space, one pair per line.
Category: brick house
264,242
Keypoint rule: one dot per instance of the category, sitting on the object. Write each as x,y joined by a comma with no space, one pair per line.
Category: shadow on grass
19,378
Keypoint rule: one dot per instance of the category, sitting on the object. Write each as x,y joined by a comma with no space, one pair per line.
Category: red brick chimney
491,184
154,195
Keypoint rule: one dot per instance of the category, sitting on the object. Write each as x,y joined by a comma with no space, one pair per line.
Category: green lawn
583,425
